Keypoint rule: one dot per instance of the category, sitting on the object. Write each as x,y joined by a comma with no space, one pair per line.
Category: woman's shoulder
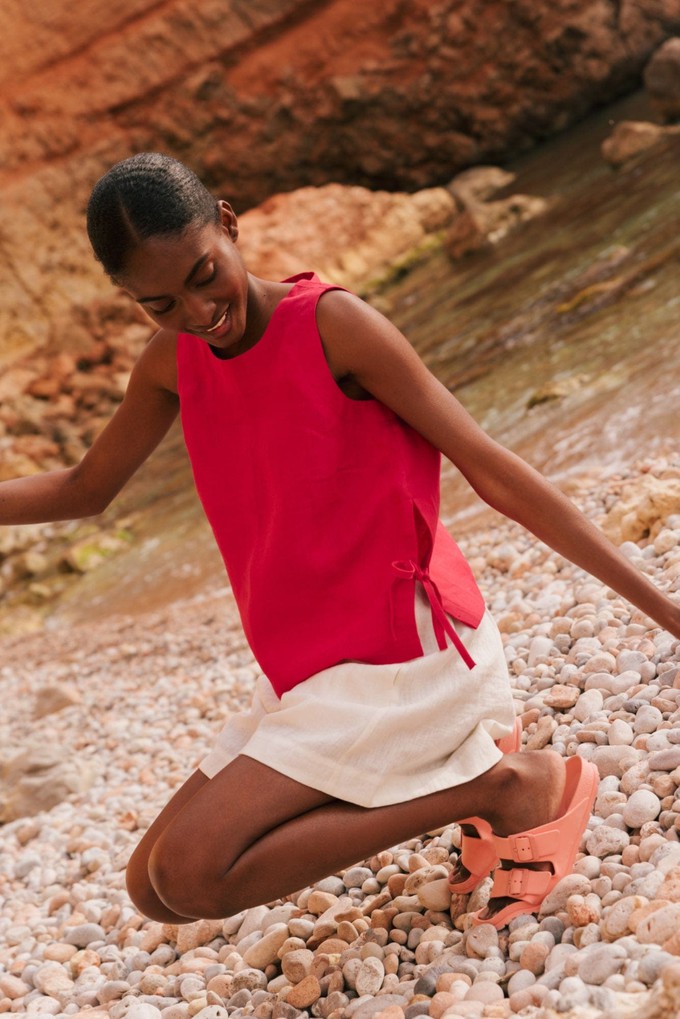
158,361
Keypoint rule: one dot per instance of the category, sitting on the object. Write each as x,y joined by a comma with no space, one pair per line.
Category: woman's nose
199,310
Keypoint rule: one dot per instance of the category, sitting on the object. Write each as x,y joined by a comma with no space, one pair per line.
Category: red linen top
325,509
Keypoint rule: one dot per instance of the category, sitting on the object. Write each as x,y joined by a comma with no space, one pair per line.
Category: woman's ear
229,220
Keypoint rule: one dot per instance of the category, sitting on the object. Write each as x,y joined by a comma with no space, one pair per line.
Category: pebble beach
121,711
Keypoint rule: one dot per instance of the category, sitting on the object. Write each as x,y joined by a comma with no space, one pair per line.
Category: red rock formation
262,96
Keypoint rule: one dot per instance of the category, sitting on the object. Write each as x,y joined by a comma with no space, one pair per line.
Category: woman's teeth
220,323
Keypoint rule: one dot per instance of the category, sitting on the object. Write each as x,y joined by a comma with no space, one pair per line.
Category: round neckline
224,357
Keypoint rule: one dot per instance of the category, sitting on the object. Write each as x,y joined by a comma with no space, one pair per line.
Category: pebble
370,976
641,806
265,951
305,993
377,939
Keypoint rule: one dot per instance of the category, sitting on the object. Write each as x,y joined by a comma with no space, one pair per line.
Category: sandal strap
528,847
520,883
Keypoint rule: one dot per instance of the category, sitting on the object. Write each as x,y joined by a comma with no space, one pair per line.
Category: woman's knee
188,885
142,892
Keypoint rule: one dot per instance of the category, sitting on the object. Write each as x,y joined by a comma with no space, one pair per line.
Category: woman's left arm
361,343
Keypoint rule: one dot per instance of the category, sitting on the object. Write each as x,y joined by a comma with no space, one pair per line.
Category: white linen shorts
378,734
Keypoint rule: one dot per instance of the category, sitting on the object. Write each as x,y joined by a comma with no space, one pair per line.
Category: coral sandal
477,853
556,843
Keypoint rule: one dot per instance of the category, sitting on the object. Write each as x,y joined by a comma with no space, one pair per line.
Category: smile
221,322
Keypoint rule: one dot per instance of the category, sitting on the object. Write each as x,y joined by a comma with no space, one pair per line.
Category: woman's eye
164,310
207,279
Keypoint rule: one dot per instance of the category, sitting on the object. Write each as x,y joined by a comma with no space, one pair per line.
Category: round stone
643,805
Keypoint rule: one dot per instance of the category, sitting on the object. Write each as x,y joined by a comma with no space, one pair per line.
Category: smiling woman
315,434
171,246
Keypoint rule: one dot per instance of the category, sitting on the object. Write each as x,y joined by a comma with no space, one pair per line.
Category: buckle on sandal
523,850
517,883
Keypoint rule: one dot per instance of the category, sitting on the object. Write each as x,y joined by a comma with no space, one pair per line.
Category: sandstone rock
642,508
662,80
372,231
482,221
630,138
55,698
40,777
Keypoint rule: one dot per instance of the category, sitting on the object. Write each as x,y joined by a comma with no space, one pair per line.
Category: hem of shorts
483,751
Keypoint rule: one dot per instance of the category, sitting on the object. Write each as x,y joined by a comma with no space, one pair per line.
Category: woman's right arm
138,425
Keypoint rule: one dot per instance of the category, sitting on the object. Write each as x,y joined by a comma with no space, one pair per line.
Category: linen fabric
379,734
325,509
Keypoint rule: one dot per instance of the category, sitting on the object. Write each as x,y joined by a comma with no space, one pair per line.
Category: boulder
40,777
662,80
630,138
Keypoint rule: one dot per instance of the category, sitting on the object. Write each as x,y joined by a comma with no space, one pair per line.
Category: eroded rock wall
261,96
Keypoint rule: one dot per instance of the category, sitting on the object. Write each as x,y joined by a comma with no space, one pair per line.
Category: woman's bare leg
251,835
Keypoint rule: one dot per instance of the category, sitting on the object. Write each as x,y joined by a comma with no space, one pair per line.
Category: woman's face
193,282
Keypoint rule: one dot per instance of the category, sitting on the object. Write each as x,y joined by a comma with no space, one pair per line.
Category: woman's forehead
169,260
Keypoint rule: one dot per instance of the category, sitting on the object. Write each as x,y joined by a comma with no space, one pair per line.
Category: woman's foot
536,856
477,857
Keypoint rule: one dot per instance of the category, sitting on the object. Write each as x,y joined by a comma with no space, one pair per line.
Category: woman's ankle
527,793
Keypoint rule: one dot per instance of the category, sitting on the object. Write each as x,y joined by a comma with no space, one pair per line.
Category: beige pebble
670,889
192,935
57,951
297,965
154,935
264,952
391,1012
660,925
481,940
561,697
533,957
441,1001
347,931
81,960
12,987
584,909
52,980
435,895
422,876
370,976
540,738
222,985
446,981
485,991
672,944
318,902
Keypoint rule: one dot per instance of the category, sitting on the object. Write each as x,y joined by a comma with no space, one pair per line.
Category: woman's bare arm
138,425
361,343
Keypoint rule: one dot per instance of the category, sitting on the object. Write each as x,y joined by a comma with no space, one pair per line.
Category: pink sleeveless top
325,509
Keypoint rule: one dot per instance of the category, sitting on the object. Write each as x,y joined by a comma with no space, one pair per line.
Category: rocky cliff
261,96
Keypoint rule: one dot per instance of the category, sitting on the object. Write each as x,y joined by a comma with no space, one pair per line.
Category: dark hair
140,197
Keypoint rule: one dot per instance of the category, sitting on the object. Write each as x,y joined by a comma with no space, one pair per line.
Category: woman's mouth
221,326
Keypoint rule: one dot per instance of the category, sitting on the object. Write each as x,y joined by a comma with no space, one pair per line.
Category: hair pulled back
141,197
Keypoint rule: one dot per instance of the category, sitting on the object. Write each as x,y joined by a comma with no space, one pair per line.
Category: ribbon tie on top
410,570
